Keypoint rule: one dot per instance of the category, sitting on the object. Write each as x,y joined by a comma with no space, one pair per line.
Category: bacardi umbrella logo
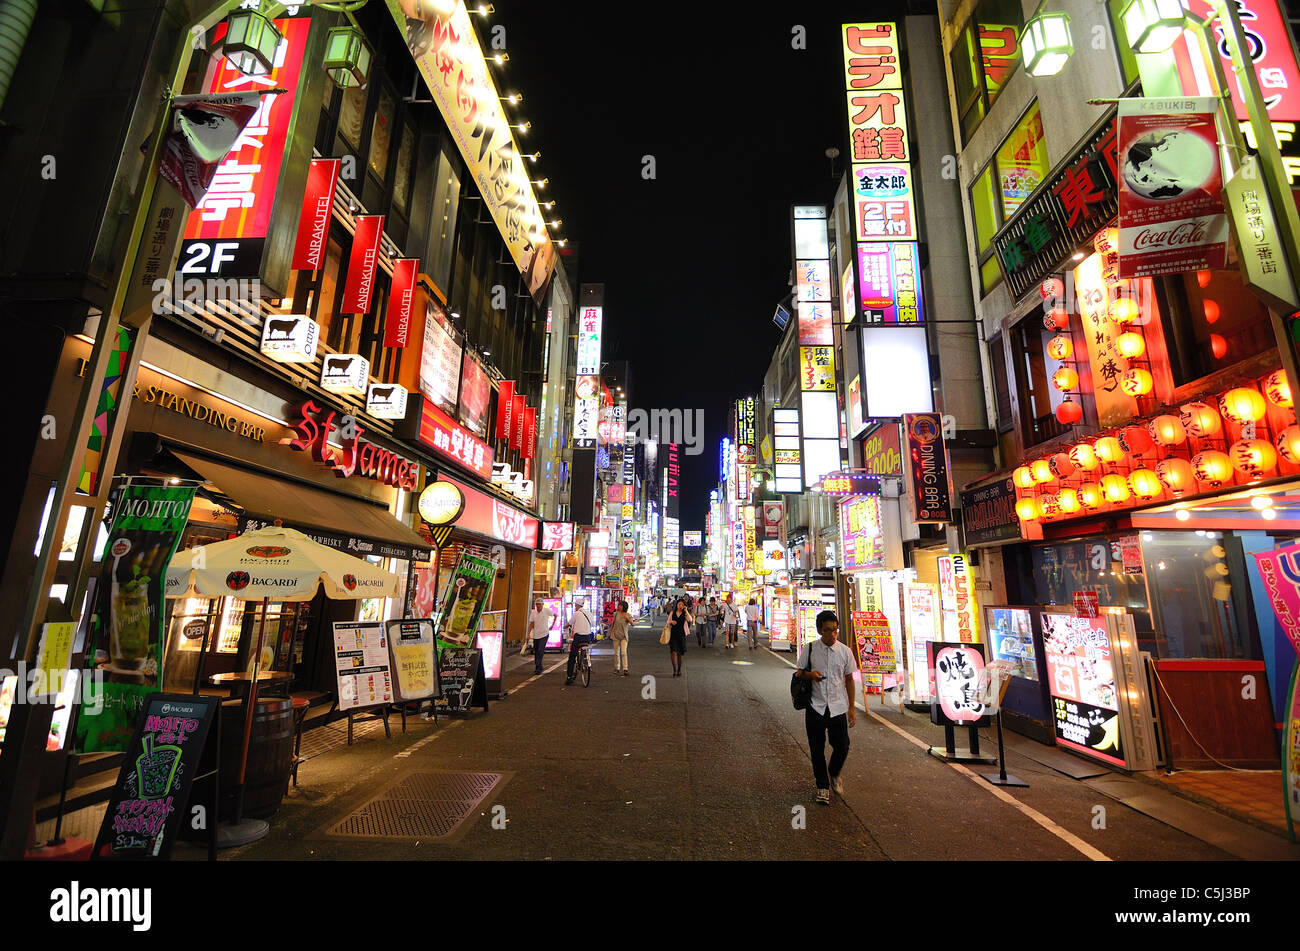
268,551
350,582
237,580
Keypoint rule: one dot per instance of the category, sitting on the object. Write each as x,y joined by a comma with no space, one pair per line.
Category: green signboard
464,600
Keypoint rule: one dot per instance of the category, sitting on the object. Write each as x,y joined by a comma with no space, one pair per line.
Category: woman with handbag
618,634
678,628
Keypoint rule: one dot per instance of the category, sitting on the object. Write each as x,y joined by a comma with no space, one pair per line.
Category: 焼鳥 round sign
441,503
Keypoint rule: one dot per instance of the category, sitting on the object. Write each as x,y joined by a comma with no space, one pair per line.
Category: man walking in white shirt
730,621
752,612
539,629
831,711
581,624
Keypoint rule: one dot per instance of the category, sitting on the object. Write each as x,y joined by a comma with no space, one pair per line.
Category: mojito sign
463,601
127,626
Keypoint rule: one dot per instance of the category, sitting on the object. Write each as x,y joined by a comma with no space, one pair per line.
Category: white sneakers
824,797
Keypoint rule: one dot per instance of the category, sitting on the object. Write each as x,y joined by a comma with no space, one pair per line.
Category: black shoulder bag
801,689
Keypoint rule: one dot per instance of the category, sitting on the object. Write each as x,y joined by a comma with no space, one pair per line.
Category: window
1038,398
352,113
1001,388
442,223
1192,578
984,58
328,295
381,135
405,156
1019,166
1211,322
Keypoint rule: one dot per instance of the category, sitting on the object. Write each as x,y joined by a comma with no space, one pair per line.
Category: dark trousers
713,630
818,726
578,640
539,648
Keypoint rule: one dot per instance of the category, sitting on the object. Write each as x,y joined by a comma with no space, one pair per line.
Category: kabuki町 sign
357,456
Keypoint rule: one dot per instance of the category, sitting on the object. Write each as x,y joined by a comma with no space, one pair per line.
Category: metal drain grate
419,806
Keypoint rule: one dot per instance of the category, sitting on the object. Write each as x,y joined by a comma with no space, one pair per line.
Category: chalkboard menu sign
460,676
151,796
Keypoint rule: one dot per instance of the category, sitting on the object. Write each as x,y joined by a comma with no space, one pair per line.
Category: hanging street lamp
1153,25
347,57
1045,44
251,41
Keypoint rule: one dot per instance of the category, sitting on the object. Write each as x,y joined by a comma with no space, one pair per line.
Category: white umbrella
271,563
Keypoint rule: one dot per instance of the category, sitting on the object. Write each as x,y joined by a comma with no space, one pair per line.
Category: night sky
694,261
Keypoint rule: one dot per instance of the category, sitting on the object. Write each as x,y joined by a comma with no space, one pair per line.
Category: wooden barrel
270,755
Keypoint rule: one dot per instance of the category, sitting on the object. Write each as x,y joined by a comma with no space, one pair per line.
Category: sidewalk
1254,796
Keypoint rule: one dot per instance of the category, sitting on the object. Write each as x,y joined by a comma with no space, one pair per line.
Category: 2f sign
204,257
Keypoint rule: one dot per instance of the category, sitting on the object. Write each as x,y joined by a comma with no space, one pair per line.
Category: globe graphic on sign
1168,164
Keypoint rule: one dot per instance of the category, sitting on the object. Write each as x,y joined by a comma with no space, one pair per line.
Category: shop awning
348,524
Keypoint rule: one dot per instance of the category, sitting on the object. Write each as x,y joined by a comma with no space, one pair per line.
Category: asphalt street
711,765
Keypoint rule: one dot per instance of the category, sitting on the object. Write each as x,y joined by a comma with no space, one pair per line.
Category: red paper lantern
1051,288
1218,346
1212,468
1203,278
1243,405
1107,241
1069,413
1253,457
1168,431
1049,506
1062,465
1135,439
1211,310
1056,319
1060,347
1027,510
1176,473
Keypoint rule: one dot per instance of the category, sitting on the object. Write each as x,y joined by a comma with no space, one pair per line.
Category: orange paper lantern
1199,419
1060,347
1069,412
1131,345
1243,404
1091,496
1023,477
1288,444
1041,471
1253,457
1203,278
1068,499
1027,509
1167,431
1212,468
1144,483
1211,310
1049,507
1136,382
1218,346
1176,473
1115,488
1084,457
1108,449
1278,389
1065,379
1125,310
1107,241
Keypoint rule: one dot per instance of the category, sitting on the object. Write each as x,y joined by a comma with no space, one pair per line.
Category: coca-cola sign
1171,216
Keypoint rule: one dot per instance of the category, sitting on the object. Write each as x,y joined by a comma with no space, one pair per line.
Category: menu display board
439,361
922,622
361,664
412,658
1081,681
459,672
151,796
1011,639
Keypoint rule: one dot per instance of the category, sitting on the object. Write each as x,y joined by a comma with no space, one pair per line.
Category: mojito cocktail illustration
129,625
155,769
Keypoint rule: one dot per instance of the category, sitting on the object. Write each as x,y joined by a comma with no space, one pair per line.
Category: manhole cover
419,806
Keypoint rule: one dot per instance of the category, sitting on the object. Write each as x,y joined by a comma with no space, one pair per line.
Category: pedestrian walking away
618,631
700,623
581,624
829,665
752,613
539,629
730,621
711,619
679,623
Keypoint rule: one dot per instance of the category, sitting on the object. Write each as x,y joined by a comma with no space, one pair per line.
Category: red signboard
362,264
357,457
505,407
397,325
557,536
517,422
1269,47
238,202
444,436
1087,604
314,221
530,433
491,517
